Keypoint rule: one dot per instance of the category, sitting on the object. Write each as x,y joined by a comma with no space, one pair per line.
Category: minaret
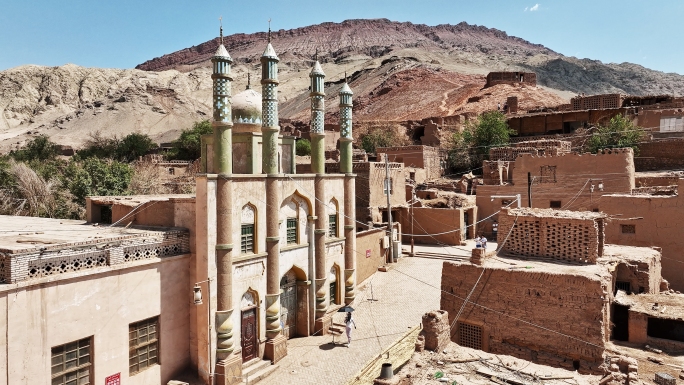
349,192
346,128
276,344
227,361
317,118
269,95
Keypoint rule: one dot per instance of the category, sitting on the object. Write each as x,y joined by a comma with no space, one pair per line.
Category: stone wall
494,78
523,313
574,237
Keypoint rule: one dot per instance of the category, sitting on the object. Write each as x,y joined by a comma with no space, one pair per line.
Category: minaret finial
249,80
316,55
345,76
221,29
269,29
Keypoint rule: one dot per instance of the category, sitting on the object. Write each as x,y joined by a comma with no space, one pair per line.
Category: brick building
548,296
429,159
528,78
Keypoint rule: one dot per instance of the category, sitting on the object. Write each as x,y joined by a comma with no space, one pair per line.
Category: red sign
368,253
114,379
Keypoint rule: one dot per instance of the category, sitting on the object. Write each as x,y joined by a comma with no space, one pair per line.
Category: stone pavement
399,304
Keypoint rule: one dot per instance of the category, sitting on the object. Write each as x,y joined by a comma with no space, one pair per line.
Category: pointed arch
336,284
250,298
333,211
294,211
297,272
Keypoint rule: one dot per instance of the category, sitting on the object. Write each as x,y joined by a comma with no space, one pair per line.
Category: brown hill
398,71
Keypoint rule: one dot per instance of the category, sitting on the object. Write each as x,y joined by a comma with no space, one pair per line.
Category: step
254,366
255,377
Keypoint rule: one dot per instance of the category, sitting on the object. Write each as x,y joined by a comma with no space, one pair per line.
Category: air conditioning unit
385,242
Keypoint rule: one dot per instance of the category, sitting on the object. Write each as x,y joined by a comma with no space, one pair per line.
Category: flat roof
664,305
553,213
135,200
25,234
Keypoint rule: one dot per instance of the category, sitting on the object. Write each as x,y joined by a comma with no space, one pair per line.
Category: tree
133,146
378,138
472,146
40,148
95,176
303,147
620,132
188,145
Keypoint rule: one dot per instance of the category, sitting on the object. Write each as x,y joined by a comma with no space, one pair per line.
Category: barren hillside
398,71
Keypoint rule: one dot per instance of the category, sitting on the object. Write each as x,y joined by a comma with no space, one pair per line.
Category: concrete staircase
256,370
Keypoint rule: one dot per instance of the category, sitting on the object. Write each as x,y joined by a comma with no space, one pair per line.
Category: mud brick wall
596,102
436,330
494,78
663,154
643,276
567,239
570,304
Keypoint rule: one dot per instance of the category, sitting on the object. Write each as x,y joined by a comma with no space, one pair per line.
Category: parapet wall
596,102
568,236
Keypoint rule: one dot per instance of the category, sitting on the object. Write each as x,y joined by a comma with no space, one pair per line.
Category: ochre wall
658,221
571,304
427,220
369,240
55,311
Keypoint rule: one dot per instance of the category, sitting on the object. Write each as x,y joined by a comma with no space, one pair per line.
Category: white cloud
526,8
534,8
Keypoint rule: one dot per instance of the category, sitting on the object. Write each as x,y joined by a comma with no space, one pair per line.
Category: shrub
620,132
378,138
188,145
471,146
303,147
40,148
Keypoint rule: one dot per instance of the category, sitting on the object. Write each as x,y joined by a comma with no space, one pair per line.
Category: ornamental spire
269,29
221,29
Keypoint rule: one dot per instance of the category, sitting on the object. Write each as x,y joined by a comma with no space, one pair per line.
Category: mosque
297,228
214,283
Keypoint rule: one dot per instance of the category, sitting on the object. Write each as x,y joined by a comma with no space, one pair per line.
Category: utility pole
529,189
388,184
413,202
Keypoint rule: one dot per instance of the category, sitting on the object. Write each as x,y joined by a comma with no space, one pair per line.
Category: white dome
246,107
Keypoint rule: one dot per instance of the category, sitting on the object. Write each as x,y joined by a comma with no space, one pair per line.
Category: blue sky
124,33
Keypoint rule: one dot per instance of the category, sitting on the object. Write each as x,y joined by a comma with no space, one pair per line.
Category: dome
246,107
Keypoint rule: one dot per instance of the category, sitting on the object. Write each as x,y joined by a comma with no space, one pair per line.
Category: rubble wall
513,300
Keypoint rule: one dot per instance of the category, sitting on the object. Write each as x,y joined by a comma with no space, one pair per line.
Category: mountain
398,71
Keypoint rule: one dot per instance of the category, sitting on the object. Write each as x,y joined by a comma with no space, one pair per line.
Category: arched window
333,219
248,231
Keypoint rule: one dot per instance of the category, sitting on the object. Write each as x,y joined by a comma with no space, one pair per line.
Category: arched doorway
332,279
288,304
248,327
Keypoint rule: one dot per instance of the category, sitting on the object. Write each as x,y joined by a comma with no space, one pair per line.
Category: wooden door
288,305
250,347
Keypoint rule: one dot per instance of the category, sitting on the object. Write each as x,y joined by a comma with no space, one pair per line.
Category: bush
303,147
188,145
127,149
40,148
378,138
472,146
619,133
95,176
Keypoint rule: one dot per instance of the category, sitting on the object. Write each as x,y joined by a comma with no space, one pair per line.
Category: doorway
248,337
288,304
620,322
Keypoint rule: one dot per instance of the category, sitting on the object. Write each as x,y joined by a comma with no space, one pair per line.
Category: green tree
378,138
40,148
472,145
303,147
99,146
188,145
133,146
95,176
620,132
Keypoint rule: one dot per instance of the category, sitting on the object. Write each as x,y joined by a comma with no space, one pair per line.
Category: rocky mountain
398,71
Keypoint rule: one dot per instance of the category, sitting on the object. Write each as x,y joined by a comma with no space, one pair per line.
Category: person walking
349,321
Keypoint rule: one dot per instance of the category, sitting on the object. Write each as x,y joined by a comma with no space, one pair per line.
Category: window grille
332,226
622,285
470,336
555,204
291,230
247,239
143,345
333,292
628,229
71,363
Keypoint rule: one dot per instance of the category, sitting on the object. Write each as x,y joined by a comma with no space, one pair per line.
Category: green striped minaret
317,119
346,129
